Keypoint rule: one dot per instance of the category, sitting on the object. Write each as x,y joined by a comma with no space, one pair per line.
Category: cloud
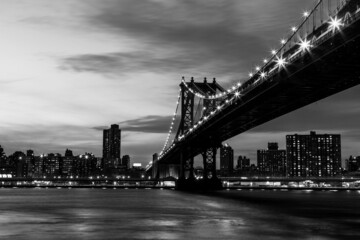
184,37
146,124
118,63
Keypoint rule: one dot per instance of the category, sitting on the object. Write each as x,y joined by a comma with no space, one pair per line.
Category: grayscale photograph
179,119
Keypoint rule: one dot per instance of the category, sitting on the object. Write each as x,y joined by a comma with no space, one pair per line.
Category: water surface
167,214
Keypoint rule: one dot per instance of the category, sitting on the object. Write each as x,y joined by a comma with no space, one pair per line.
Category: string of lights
277,61
172,123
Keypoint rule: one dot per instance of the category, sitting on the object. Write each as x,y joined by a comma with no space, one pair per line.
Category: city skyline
70,74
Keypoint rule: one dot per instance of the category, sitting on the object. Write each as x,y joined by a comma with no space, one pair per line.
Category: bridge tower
187,122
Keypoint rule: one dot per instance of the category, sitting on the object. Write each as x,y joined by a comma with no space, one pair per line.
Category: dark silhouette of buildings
111,147
243,163
317,155
272,162
125,161
352,164
226,160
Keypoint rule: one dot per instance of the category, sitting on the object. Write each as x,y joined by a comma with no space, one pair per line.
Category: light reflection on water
154,214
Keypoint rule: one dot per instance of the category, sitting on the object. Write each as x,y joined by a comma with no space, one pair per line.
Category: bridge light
306,14
237,94
280,62
262,75
273,52
251,74
293,29
233,88
304,45
283,41
265,60
335,23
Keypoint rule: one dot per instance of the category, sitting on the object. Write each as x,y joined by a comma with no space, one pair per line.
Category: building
226,160
315,155
243,163
84,165
125,161
272,162
353,164
67,166
52,165
111,147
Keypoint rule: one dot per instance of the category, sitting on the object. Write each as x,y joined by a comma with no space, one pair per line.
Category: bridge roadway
329,68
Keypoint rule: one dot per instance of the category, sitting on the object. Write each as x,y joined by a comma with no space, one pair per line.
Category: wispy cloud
146,124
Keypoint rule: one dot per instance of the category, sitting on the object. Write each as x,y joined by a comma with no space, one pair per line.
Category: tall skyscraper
272,162
226,159
317,155
111,146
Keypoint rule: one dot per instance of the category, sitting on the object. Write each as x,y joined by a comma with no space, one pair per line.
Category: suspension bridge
320,57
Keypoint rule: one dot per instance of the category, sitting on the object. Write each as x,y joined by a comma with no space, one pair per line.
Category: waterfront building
52,165
111,146
39,165
352,164
84,165
243,163
125,161
226,160
315,155
272,162
67,168
29,162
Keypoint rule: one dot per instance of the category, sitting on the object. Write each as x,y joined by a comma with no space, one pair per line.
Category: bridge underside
326,70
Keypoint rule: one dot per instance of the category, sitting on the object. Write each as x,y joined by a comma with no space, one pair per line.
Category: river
168,214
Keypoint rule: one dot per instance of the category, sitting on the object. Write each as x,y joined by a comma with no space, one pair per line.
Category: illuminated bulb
304,45
262,74
257,68
273,52
233,87
239,84
283,41
237,94
306,14
293,29
280,62
335,23
265,60
250,74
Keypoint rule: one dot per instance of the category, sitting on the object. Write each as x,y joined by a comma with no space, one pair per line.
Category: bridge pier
209,180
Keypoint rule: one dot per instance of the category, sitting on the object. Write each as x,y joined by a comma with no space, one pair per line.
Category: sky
70,69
